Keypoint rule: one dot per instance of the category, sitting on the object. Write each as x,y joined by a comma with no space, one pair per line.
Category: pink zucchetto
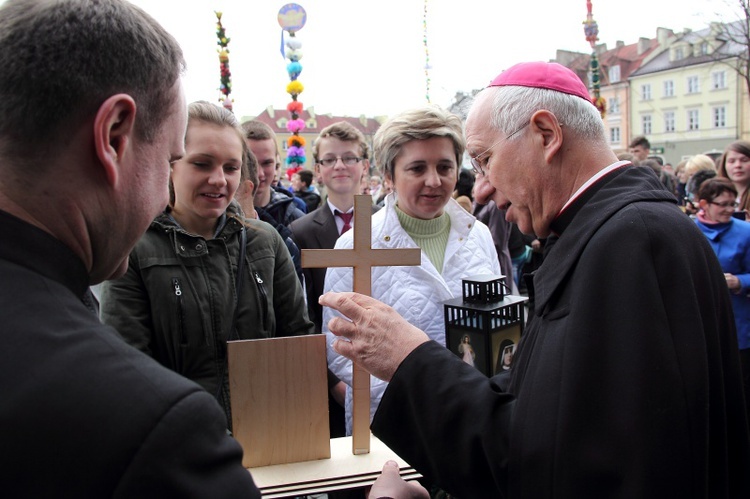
549,75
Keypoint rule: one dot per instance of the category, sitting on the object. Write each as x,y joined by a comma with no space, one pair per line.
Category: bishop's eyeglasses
479,165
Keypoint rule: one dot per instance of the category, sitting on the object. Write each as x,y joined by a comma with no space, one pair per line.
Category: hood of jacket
165,221
613,192
278,199
191,245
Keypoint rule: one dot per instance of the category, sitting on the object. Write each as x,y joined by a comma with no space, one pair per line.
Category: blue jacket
731,243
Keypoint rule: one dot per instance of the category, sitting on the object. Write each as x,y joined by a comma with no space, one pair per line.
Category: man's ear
703,203
114,126
249,185
546,125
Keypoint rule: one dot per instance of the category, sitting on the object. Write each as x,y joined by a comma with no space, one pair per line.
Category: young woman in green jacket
189,287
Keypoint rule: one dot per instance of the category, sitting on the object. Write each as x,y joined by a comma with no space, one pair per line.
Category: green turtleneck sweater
430,235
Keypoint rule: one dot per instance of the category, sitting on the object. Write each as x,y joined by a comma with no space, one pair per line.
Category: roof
628,57
727,48
272,117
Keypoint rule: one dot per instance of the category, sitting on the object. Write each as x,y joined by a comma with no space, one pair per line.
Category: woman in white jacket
420,153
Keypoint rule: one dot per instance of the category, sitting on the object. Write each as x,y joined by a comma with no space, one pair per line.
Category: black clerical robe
83,414
626,382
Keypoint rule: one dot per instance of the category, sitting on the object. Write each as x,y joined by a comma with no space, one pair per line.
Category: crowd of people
142,233
714,192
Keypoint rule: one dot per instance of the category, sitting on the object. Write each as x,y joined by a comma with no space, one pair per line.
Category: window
614,135
614,74
719,80
693,85
693,118
669,88
703,50
678,54
646,124
719,117
669,121
646,91
614,105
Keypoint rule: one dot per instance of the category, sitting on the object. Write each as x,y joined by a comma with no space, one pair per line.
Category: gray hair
513,107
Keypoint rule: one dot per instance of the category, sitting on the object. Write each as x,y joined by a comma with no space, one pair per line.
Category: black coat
82,414
316,230
625,384
311,199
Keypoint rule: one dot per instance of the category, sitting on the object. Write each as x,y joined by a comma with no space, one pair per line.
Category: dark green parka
177,300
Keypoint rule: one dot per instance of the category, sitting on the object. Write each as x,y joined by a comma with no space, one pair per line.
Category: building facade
314,123
689,98
616,65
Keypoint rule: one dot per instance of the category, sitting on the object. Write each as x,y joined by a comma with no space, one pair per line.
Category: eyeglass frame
335,160
476,166
733,205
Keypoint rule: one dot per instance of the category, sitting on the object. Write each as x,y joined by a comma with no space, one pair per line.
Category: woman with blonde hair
419,152
203,274
698,163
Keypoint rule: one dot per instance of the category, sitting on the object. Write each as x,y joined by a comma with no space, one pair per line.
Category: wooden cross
362,258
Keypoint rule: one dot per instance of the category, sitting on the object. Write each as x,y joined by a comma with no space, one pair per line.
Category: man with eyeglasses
341,159
626,382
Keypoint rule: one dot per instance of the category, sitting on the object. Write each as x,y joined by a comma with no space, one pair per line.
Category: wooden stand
362,258
341,471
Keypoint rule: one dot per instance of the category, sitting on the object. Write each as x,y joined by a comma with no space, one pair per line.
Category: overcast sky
369,58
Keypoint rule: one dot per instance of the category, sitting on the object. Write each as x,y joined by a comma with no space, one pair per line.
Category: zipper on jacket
180,313
263,298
